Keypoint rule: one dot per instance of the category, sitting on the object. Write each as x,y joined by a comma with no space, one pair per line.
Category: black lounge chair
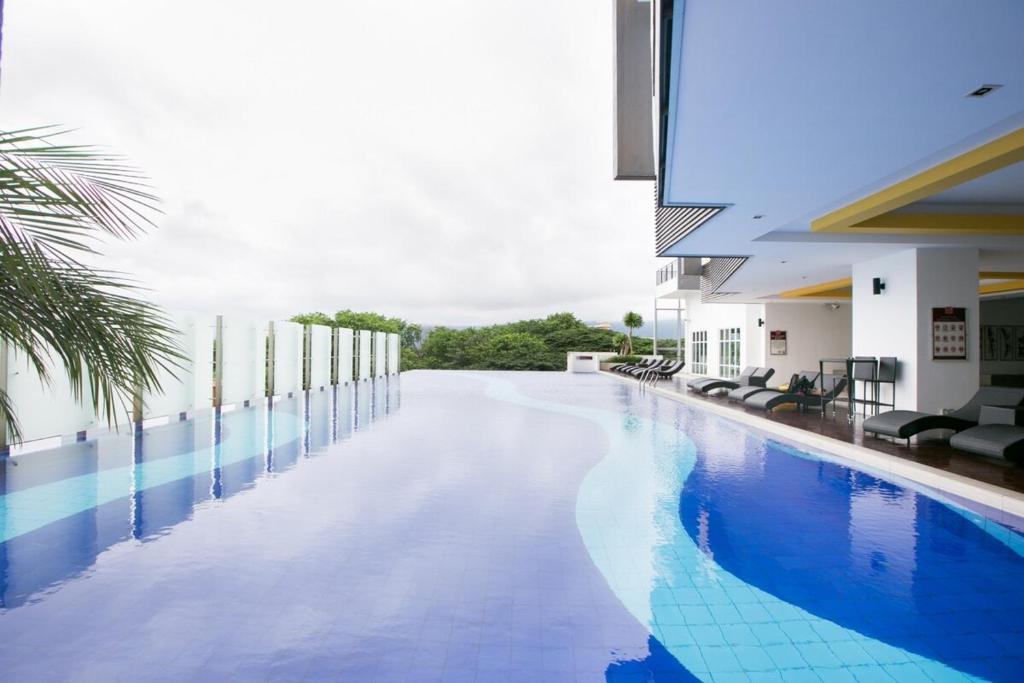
641,369
668,369
697,382
903,424
750,377
769,400
624,368
991,438
742,393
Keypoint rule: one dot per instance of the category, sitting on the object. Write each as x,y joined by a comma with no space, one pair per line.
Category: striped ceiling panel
673,223
715,273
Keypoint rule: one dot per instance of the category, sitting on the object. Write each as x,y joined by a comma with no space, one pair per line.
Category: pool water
490,527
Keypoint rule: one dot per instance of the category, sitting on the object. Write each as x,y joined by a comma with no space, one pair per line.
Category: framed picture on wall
949,333
989,342
777,343
1007,342
1019,355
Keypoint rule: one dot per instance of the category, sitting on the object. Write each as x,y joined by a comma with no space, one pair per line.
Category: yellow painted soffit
980,161
833,289
843,288
996,287
942,224
1000,275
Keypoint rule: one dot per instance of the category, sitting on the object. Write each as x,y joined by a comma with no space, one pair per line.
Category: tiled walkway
929,449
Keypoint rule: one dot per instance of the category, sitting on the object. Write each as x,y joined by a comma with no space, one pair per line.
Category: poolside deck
930,449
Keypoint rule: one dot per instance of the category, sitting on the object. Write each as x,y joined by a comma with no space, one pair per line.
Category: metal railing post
218,362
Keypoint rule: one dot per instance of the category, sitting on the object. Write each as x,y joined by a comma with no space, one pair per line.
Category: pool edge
990,495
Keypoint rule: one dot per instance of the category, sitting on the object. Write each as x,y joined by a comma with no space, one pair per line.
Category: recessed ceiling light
758,216
983,90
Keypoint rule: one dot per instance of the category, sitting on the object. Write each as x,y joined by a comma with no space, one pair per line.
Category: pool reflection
134,499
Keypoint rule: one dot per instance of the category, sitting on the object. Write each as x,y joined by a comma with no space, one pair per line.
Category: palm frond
55,201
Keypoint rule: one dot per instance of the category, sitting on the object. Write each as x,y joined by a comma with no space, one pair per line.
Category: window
729,352
699,362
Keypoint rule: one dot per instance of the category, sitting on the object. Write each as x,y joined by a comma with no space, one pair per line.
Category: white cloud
448,162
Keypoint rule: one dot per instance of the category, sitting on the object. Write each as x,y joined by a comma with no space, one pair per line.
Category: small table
848,366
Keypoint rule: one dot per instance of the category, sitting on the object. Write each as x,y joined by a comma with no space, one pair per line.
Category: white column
897,322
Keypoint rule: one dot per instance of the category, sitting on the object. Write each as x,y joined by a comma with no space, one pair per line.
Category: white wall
897,322
380,349
1002,311
394,353
813,331
320,357
179,384
345,355
365,353
714,317
243,376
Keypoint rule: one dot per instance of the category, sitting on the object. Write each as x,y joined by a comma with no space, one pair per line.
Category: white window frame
729,352
699,361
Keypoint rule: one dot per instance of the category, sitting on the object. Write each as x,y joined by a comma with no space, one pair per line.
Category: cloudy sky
445,161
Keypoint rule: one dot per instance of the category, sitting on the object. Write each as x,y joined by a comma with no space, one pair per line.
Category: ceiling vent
983,90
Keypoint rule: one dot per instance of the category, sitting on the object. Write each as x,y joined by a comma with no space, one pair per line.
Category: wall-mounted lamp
877,286
760,322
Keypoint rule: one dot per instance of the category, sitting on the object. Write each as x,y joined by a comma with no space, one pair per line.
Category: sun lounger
993,440
903,424
625,368
998,434
666,371
756,377
770,399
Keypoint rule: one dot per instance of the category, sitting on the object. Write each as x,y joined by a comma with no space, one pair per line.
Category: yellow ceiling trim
825,289
1000,275
942,224
980,161
996,287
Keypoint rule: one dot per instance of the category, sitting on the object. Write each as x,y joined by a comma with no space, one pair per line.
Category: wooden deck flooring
930,449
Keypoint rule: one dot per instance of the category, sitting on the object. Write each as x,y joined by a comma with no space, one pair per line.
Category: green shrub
622,359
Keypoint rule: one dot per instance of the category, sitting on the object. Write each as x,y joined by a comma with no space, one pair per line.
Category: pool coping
982,493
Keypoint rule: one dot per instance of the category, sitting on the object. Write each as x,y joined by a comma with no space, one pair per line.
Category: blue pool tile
907,672
557,659
800,631
818,655
739,634
871,674
785,656
720,658
753,658
708,635
677,635
754,613
769,634
851,653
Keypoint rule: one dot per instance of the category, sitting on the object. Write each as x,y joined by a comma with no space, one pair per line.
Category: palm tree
56,202
632,321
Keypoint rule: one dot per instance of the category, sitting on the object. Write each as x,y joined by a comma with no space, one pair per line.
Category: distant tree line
539,344
410,333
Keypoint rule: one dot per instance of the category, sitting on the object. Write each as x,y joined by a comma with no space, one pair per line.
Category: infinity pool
490,527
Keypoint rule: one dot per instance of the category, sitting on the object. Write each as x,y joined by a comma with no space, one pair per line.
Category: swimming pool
490,527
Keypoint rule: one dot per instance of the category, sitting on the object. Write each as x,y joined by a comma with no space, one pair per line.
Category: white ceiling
792,109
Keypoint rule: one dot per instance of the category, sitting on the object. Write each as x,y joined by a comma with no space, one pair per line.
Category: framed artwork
1007,342
1019,353
989,342
949,333
777,342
